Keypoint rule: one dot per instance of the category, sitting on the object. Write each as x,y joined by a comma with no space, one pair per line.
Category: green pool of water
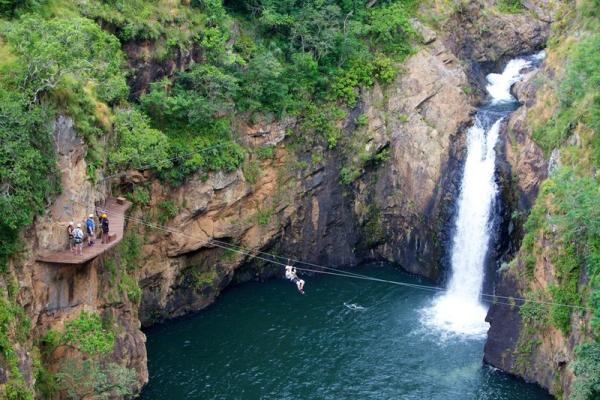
266,341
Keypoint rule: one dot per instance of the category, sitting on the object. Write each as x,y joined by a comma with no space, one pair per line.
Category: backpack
78,234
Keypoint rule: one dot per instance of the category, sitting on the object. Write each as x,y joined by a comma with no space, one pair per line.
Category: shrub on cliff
510,6
93,375
95,380
583,72
569,202
88,334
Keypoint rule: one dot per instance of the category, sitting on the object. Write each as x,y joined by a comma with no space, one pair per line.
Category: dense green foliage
171,25
10,8
68,62
510,6
286,58
138,145
53,51
195,112
197,100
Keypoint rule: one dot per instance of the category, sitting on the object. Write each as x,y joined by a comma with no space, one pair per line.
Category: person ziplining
292,275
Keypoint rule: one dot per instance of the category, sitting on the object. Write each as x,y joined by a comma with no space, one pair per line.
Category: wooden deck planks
116,216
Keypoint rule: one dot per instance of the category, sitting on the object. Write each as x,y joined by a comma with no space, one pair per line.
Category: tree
317,29
51,50
389,26
263,84
9,8
137,144
196,99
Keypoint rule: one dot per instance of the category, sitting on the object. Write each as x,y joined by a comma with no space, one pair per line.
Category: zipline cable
250,253
290,260
427,287
493,299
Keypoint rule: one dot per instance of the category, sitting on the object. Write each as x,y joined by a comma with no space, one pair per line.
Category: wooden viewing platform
115,209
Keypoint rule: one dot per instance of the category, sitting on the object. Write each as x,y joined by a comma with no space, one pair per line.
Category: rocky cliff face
399,208
422,121
525,161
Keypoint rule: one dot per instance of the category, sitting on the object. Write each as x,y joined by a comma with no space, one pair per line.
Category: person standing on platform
78,240
105,228
90,226
70,229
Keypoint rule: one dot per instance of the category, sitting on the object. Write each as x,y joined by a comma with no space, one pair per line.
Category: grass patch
511,6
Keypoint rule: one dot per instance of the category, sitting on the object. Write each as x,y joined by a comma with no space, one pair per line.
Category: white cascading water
459,311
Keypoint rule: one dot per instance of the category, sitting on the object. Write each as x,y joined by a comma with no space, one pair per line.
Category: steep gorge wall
525,162
540,357
528,341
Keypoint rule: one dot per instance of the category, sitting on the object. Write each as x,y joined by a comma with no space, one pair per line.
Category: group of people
77,235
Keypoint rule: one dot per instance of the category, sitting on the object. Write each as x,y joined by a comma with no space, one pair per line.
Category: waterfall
459,310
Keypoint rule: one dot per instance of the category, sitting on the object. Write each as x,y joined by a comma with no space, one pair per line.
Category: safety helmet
104,216
79,225
71,223
91,215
